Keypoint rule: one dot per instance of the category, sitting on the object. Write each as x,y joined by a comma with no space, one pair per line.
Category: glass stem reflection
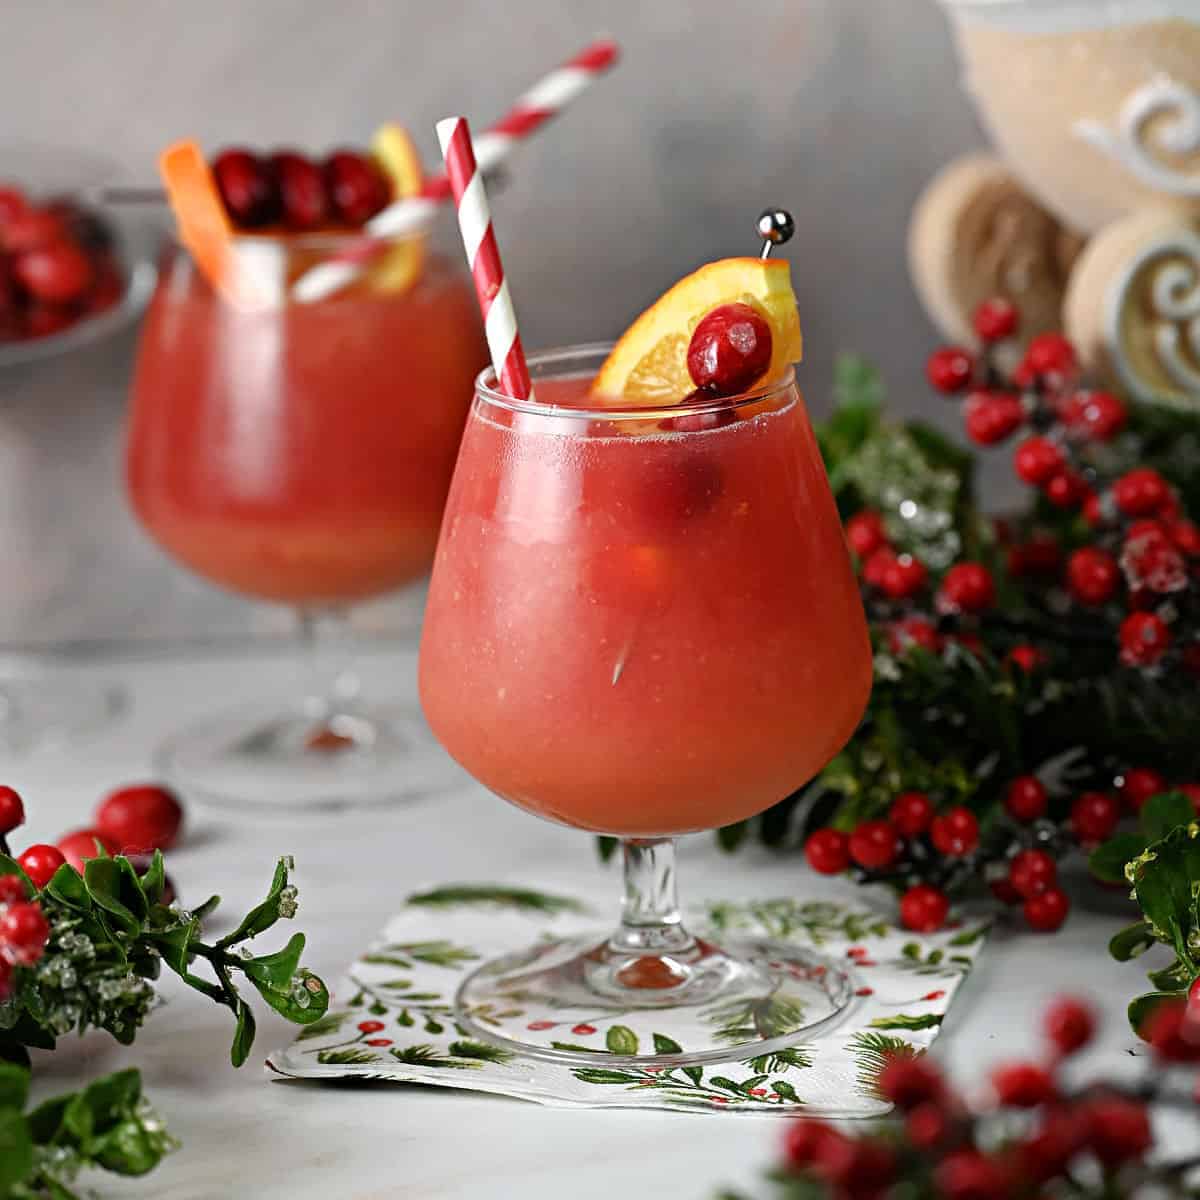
325,638
650,918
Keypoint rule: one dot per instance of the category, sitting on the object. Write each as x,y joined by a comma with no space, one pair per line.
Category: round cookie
1133,307
974,234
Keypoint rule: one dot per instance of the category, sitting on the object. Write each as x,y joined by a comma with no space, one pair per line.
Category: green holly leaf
1131,941
14,1085
620,1039
276,970
1162,881
1165,812
174,943
262,916
114,886
730,837
606,847
1108,860
666,1045
602,1075
243,1036
154,878
16,1149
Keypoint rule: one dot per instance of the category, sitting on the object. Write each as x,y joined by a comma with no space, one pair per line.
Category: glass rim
487,388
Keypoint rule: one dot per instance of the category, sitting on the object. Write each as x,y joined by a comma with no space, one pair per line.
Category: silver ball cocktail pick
775,227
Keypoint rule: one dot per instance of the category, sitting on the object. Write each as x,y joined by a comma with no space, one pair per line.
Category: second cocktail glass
644,623
300,454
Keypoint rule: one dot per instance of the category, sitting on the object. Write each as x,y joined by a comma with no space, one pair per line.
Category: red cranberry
904,577
1039,556
914,631
910,1082
1094,815
1070,1024
1093,511
698,422
827,851
1150,561
1004,892
876,565
12,204
911,813
1138,784
730,350
6,974
874,845
1046,912
1118,1130
993,417
1050,355
1022,1085
967,587
1192,792
247,187
970,1175
923,908
1096,415
45,320
865,533
141,818
77,847
58,273
302,194
1066,490
12,811
1092,575
12,889
32,230
356,186
1144,639
1140,492
996,319
370,1026
1027,658
1048,1152
927,1126
949,369
1185,536
40,862
956,832
808,1143
1037,460
24,932
1026,798
1032,872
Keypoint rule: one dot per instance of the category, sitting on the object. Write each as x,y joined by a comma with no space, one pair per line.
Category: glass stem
331,685
650,919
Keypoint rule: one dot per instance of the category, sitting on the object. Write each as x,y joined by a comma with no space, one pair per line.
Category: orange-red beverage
302,453
643,624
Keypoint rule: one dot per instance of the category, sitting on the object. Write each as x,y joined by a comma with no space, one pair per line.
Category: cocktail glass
643,623
300,453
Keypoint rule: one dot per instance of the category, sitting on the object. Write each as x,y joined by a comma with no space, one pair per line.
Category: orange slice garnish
249,275
396,153
648,366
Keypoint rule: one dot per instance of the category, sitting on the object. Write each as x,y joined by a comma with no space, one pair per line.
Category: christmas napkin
392,1017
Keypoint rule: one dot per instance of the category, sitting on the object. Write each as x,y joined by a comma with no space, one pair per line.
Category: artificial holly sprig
1032,1135
105,934
107,1125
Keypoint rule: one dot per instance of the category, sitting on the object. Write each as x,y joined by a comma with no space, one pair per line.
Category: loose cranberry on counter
248,188
142,818
730,350
302,194
58,273
1070,1024
77,847
356,187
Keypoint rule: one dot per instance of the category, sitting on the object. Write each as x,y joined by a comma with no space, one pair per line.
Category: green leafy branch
110,935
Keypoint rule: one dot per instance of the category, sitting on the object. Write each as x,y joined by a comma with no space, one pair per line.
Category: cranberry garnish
302,193
1069,1024
40,862
356,187
730,350
12,811
1028,658
145,818
58,273
30,229
247,187
698,422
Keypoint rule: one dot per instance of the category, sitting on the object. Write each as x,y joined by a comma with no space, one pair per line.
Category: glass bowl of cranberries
72,268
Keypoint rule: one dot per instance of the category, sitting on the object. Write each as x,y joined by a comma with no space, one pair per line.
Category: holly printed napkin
392,1017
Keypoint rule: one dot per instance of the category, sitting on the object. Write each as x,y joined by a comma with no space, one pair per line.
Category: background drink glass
642,624
300,454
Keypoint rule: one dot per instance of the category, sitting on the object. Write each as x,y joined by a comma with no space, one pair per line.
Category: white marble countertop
245,1134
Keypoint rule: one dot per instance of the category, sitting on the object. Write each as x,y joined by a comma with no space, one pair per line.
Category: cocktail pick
775,226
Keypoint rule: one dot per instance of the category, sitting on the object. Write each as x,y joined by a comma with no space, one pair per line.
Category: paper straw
545,100
483,257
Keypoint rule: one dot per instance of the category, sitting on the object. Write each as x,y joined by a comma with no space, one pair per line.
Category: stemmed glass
644,623
300,453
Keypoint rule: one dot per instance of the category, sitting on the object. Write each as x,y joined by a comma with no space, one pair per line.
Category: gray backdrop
838,109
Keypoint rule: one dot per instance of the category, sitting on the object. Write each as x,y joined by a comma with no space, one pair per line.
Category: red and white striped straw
545,100
483,256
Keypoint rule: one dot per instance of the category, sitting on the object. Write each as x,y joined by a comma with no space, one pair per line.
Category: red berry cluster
347,188
1032,1135
57,266
1142,570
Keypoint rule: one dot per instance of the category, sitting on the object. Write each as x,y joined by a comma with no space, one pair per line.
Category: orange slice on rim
648,366
396,153
249,275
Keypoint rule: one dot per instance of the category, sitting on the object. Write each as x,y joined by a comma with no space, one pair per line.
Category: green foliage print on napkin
872,1052
687,1086
522,899
818,920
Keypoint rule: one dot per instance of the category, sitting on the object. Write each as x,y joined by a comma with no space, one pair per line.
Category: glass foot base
270,758
581,1002
51,710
